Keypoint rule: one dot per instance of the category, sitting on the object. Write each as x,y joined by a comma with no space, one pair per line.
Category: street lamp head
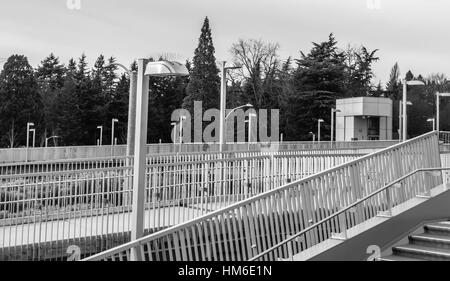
409,103
30,124
443,94
165,68
415,83
115,120
99,127
248,105
430,120
320,120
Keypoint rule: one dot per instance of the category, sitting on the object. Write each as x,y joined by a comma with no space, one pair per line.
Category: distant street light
145,69
34,135
405,84
52,137
438,95
113,121
333,111
236,108
318,128
313,135
431,120
223,101
29,124
101,134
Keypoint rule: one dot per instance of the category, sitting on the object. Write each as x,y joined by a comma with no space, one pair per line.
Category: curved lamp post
145,69
131,108
223,101
313,135
52,137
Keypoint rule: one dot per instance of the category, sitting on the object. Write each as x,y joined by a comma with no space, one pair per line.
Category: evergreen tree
19,101
204,81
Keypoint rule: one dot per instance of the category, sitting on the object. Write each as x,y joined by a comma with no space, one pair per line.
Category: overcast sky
412,32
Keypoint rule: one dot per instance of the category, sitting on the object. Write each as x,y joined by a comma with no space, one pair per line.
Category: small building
363,118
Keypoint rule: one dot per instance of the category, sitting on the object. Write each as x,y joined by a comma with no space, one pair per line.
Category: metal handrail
210,215
344,210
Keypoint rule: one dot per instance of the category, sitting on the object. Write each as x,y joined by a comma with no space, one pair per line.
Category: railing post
389,202
343,224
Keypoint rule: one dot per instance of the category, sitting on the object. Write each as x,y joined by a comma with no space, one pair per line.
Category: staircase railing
245,229
379,203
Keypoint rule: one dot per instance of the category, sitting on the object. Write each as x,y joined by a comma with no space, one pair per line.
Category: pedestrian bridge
317,216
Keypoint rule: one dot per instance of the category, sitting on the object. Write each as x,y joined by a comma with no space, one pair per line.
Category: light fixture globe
166,68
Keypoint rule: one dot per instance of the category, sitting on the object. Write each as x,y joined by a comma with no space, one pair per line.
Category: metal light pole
131,108
223,101
34,135
29,124
101,134
113,121
318,128
405,84
333,111
313,135
46,139
438,95
145,69
431,120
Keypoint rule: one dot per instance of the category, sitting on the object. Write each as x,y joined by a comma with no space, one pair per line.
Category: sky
413,33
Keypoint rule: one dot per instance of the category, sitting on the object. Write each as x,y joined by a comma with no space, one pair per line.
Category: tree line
71,100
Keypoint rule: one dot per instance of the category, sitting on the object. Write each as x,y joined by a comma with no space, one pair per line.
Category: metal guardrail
339,223
12,155
245,229
89,202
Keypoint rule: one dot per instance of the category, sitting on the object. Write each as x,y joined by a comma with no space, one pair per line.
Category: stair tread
429,236
399,258
437,251
442,225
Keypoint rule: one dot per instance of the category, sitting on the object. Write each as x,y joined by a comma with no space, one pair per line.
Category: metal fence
12,155
247,228
87,203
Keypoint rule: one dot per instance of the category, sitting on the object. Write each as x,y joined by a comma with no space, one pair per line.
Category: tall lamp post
433,121
438,95
223,101
313,135
145,69
318,128
333,111
405,84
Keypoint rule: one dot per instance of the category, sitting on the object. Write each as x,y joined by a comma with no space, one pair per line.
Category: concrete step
422,252
439,228
430,240
399,258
